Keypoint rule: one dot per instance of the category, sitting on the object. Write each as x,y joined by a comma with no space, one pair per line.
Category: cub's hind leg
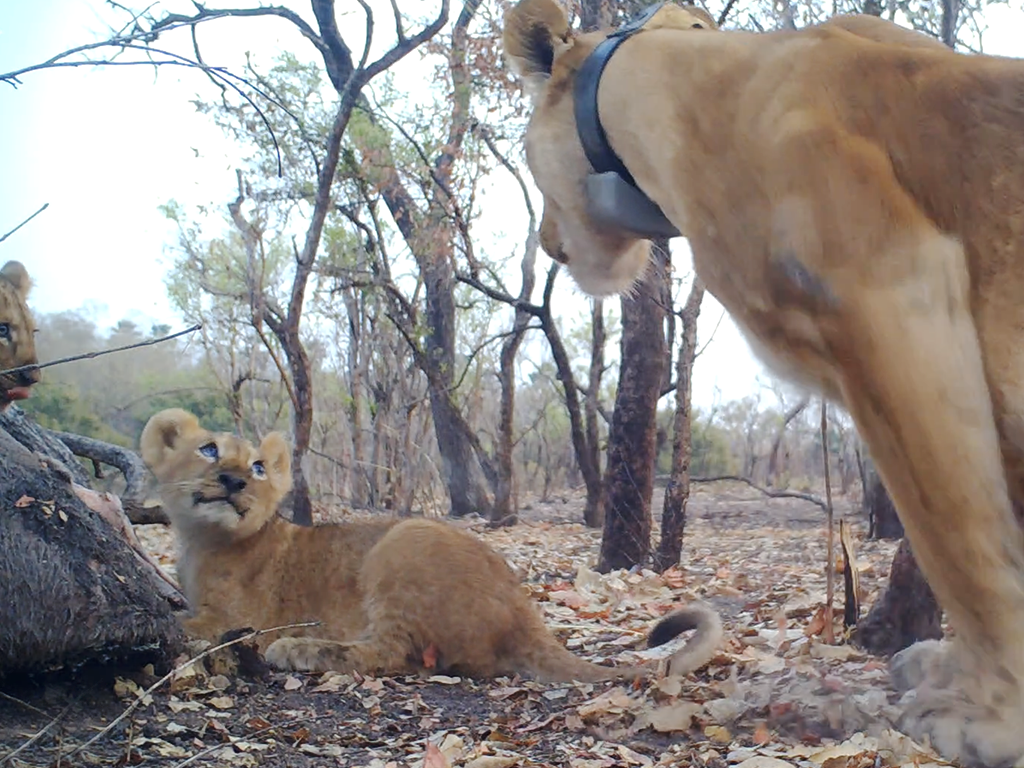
368,656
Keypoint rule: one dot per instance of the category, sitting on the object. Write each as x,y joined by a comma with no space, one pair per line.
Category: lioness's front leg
895,324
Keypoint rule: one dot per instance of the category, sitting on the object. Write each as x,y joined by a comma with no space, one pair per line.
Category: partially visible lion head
215,482
17,334
547,54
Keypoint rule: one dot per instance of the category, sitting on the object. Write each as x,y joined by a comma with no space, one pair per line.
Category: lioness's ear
671,16
277,458
14,272
534,30
161,436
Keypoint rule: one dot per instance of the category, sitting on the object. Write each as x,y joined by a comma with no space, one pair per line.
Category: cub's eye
258,470
5,331
208,451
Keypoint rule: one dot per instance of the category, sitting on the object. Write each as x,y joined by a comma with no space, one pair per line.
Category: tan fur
853,193
17,343
385,591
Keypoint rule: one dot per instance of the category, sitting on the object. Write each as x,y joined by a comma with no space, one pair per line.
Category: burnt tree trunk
629,476
673,517
773,456
883,520
906,612
74,591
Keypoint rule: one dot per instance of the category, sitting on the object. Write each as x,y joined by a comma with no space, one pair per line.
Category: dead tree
906,612
673,519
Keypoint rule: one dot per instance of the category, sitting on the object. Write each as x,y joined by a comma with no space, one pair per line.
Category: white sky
106,146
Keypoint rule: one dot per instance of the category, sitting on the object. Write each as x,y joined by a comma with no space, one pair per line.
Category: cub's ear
277,458
14,272
162,436
534,31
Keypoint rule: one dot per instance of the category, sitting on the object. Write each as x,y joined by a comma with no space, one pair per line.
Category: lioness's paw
965,712
912,666
959,729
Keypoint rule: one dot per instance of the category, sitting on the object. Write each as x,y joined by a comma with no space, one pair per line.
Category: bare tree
673,518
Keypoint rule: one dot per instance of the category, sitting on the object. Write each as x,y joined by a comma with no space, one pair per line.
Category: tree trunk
586,452
629,476
906,612
503,512
74,591
593,513
773,456
883,521
673,518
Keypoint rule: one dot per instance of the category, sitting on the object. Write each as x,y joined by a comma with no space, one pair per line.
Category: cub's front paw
295,654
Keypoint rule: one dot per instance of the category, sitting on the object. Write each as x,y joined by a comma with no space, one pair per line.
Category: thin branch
772,494
711,337
26,221
100,353
208,652
830,573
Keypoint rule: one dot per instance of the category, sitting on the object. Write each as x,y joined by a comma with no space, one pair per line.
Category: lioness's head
17,334
215,480
547,54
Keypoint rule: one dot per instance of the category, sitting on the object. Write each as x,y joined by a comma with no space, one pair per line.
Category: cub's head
17,334
547,54
214,482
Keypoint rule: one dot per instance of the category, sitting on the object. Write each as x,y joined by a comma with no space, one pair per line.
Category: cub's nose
30,377
231,483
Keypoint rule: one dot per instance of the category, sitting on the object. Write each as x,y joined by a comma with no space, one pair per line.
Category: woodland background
418,362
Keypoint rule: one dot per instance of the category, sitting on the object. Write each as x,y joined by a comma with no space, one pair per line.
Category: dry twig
26,221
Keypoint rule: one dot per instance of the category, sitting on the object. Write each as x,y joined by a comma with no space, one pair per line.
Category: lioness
853,193
17,334
385,591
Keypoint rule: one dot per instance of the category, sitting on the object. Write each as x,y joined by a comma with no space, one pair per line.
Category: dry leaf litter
776,695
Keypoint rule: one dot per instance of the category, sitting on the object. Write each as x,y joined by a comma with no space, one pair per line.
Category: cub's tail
700,649
547,660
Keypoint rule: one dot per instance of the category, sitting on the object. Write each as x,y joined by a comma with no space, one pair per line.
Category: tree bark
629,476
74,591
906,612
593,512
673,518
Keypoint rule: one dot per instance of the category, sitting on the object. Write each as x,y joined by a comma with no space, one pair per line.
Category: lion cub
386,592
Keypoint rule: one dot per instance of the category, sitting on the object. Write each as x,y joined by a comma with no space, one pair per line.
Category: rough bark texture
629,476
73,589
883,521
673,518
906,612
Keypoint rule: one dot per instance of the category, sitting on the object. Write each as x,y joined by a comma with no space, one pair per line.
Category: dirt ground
777,694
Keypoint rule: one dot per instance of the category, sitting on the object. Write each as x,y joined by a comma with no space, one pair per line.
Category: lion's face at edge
547,54
17,334
215,480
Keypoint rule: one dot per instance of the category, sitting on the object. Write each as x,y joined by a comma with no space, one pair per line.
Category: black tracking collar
588,123
614,196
